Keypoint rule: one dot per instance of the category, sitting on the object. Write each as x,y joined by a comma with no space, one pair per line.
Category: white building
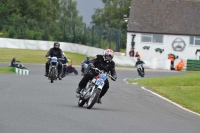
169,25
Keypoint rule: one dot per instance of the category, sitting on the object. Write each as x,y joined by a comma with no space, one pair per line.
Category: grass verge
6,70
38,56
34,56
184,89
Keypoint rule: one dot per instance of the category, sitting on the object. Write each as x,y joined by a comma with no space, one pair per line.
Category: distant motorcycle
91,92
19,65
71,69
85,69
140,70
53,71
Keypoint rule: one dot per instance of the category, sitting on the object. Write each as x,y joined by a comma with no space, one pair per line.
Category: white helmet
109,52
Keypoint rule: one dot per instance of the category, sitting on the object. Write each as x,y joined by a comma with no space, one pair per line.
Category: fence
96,36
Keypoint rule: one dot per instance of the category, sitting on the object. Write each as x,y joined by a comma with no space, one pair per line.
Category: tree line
59,20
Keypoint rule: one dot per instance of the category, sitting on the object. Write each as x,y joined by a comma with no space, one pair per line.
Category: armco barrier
120,60
21,71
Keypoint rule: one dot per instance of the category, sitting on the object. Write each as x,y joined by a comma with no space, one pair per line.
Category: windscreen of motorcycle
103,76
54,59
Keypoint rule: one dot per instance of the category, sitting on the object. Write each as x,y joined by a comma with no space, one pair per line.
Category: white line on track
165,99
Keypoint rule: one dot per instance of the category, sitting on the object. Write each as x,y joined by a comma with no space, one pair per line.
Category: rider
103,62
139,62
54,52
65,63
86,61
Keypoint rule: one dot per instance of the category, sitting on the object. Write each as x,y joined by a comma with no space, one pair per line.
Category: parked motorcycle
91,92
140,70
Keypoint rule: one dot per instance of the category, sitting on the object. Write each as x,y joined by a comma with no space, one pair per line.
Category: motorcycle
91,92
63,73
71,69
85,69
53,71
140,70
19,65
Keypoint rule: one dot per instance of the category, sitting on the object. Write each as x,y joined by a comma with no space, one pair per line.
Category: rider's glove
114,77
107,68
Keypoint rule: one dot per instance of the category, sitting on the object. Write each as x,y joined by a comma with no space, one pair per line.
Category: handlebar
57,58
99,71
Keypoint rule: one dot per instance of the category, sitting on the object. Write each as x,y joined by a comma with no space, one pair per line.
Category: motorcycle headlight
103,76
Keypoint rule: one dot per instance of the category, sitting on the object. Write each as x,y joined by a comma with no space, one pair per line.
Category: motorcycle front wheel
92,100
53,74
141,73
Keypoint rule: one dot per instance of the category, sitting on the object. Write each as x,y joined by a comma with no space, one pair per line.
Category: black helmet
138,59
56,44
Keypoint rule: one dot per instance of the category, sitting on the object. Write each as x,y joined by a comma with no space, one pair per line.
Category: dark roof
180,17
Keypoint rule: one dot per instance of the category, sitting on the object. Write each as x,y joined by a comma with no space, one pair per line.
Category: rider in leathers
54,52
140,62
102,62
86,61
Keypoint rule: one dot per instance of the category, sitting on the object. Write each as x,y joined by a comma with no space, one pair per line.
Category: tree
71,21
30,9
112,16
38,19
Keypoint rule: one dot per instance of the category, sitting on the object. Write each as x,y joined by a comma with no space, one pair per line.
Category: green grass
34,56
6,70
37,56
184,89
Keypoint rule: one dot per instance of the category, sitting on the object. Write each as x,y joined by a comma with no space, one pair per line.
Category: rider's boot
99,100
46,73
46,70
78,90
59,75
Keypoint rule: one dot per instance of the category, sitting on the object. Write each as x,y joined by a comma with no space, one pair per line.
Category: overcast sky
86,8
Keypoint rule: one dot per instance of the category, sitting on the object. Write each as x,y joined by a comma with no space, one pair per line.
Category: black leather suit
54,52
100,63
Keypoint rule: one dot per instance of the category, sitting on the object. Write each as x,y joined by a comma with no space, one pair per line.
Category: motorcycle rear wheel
53,74
141,73
75,71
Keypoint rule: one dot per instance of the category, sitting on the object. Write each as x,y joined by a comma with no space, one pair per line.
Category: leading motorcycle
53,71
91,92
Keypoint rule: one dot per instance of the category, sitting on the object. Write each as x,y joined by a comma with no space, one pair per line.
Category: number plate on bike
100,82
139,66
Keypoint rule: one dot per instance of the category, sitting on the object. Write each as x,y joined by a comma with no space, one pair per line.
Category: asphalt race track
31,104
